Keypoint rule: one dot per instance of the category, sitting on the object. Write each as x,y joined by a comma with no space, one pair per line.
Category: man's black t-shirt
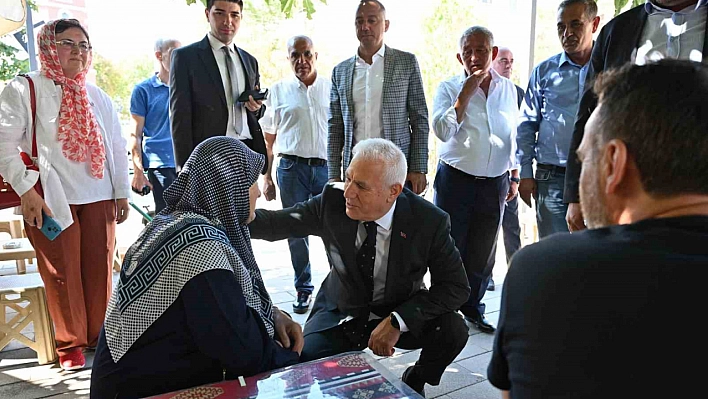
612,312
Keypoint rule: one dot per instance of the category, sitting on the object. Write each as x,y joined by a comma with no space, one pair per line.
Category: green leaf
619,5
287,8
636,3
309,8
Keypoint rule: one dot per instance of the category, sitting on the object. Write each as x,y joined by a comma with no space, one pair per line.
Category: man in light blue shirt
151,141
548,115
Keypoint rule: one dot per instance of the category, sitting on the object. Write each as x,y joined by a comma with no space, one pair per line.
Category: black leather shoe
480,322
491,286
409,379
302,304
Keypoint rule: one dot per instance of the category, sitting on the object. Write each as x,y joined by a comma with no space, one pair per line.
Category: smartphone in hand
50,228
261,94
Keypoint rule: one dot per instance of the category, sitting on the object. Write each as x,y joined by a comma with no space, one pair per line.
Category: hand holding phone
258,95
50,228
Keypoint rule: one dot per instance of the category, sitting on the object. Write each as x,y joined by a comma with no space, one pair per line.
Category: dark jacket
420,241
198,107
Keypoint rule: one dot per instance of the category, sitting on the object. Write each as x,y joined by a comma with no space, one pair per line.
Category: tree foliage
118,80
10,65
620,4
287,7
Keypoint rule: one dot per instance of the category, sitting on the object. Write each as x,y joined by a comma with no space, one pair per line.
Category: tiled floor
22,378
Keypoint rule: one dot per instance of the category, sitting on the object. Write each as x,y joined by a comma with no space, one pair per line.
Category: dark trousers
441,340
511,230
299,182
161,178
475,206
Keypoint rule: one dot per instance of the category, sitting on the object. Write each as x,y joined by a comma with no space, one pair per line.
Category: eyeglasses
70,45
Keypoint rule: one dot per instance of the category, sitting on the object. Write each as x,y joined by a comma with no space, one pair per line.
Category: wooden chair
24,295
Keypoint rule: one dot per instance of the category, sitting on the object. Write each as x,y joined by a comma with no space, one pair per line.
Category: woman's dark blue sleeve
224,328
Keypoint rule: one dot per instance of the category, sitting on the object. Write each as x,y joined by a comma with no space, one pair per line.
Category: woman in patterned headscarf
190,301
83,169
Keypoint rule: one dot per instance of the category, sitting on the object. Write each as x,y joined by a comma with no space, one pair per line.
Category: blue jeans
550,208
299,182
160,178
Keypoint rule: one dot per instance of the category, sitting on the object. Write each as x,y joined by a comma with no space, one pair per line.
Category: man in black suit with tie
206,80
381,239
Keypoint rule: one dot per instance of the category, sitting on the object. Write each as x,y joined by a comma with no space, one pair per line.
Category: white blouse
64,182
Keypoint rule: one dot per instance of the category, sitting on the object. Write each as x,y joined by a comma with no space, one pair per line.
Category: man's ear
394,192
459,58
495,52
595,24
615,163
386,24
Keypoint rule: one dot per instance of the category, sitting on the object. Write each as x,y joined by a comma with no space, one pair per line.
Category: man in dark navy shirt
584,315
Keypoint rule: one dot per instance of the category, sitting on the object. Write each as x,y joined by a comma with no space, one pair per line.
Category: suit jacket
614,47
198,107
405,113
412,252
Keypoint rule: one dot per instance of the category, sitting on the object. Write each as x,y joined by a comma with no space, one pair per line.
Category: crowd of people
625,115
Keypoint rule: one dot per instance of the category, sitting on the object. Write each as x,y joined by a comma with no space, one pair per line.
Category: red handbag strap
33,101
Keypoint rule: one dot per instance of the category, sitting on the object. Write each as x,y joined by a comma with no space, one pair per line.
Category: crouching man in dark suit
381,239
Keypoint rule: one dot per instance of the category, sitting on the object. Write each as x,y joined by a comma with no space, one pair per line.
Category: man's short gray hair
473,30
395,165
163,44
590,7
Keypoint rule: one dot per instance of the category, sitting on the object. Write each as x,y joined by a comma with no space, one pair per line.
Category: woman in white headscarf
191,301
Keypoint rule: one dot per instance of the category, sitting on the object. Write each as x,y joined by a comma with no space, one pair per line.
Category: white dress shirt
298,115
484,144
383,242
367,94
674,35
216,46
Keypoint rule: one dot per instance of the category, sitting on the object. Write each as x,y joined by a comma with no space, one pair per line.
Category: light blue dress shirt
549,109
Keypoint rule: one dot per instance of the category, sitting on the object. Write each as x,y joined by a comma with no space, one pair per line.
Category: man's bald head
504,63
302,57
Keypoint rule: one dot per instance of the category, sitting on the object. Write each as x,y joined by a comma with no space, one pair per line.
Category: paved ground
22,378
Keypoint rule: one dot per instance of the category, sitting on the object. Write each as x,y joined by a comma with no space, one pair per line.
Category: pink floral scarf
78,131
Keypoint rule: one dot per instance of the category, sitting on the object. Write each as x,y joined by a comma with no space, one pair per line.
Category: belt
308,161
473,176
552,168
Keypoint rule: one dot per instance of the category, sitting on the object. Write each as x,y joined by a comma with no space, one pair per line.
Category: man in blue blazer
378,93
206,80
374,294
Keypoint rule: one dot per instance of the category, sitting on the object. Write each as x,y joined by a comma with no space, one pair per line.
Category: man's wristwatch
394,322
514,179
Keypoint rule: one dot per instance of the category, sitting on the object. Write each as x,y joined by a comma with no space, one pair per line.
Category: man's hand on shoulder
288,333
383,338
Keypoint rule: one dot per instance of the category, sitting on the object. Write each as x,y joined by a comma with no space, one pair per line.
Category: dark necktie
233,83
366,257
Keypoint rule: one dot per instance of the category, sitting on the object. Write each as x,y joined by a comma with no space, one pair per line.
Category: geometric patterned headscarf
201,229
214,183
77,129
